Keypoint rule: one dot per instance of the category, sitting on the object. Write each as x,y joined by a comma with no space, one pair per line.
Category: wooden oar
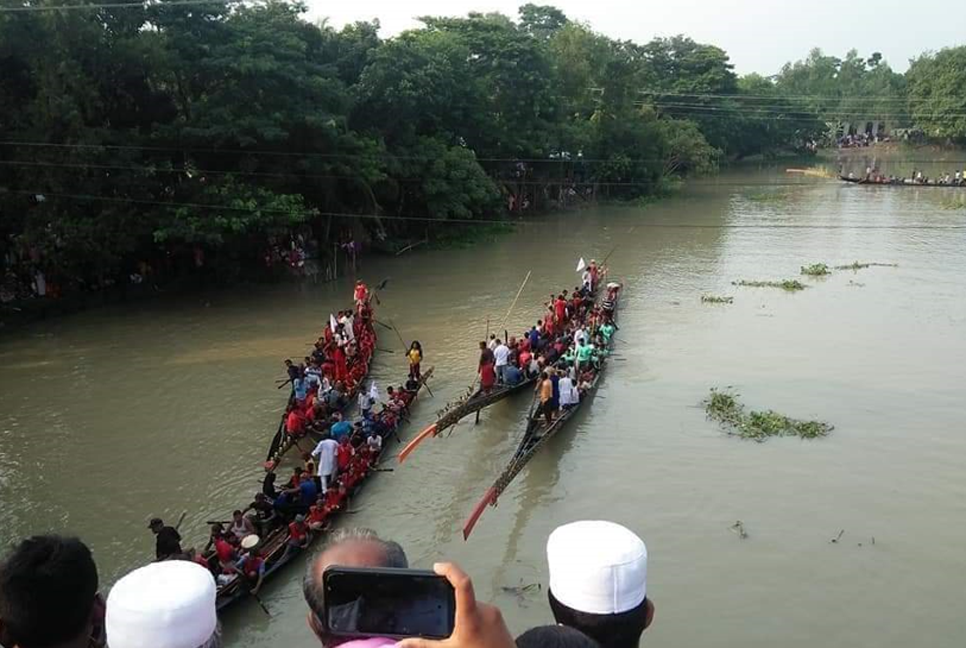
512,305
180,520
411,446
261,603
375,291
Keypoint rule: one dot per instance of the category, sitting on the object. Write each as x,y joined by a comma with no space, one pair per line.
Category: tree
542,21
937,93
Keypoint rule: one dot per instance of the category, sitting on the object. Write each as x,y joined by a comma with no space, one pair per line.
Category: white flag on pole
332,323
581,265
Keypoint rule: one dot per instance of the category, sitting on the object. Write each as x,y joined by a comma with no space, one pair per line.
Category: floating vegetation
791,285
739,528
724,407
862,266
953,205
816,270
716,299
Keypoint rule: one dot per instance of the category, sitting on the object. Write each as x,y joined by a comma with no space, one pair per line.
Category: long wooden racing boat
281,442
272,547
473,402
924,185
537,434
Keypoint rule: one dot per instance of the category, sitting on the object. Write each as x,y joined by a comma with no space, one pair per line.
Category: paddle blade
477,512
412,445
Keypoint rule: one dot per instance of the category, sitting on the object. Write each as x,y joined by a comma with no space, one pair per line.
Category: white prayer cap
597,567
168,604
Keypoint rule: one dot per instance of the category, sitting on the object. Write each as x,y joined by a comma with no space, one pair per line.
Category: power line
795,97
490,221
117,5
244,152
786,111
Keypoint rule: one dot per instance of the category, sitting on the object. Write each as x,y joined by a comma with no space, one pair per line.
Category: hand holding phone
478,625
385,602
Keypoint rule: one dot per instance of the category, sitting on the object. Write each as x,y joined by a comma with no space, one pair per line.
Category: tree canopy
153,129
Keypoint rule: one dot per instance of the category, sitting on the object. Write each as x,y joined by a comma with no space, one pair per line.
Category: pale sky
760,36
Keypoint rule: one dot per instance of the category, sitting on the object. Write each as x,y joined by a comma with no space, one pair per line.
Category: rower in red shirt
334,498
560,311
298,534
361,294
317,514
344,453
295,423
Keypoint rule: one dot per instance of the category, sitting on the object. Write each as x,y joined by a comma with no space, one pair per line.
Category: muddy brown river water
110,417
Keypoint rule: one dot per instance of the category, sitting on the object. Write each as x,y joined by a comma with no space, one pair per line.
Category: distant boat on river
902,183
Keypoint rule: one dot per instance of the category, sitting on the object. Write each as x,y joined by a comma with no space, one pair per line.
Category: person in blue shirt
534,337
512,376
340,428
308,492
301,389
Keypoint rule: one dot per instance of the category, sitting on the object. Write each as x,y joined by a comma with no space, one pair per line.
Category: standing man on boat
486,368
168,541
361,294
502,355
545,390
326,451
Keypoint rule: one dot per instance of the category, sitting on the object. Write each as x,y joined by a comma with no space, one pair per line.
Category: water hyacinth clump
862,266
724,407
716,299
791,285
816,270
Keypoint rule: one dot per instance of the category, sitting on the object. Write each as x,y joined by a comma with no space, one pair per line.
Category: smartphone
384,602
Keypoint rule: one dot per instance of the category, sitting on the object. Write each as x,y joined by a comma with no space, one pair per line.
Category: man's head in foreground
48,594
598,582
345,548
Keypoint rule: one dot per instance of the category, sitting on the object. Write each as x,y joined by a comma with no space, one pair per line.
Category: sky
759,35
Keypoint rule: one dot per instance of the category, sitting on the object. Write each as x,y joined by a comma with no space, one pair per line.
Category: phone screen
388,603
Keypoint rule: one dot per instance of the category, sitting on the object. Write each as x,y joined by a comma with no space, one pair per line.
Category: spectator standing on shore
598,582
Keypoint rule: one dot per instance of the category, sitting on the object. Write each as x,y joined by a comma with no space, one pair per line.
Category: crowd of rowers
314,492
875,176
345,454
563,350
336,368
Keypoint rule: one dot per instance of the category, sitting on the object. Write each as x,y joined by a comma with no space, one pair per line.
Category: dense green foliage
167,131
937,93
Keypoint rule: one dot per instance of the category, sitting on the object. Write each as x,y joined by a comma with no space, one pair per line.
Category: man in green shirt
607,330
584,354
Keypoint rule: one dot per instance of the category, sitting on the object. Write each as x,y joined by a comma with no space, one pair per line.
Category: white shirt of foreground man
597,567
168,604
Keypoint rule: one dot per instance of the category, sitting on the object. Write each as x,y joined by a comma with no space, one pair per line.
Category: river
110,417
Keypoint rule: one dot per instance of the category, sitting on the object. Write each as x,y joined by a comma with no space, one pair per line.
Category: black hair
555,636
47,589
622,630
